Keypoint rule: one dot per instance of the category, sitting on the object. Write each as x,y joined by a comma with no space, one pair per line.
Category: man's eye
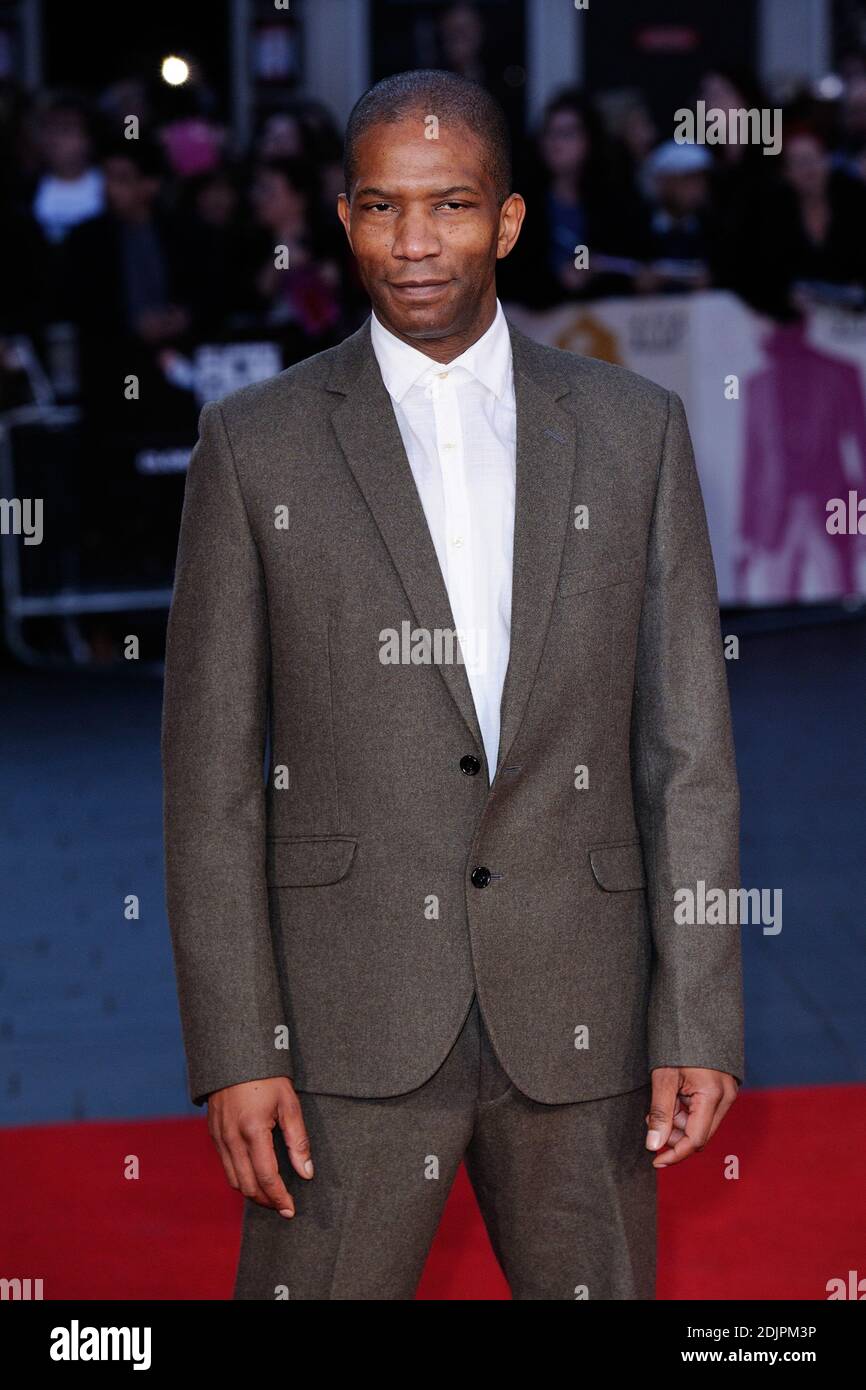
372,207
453,205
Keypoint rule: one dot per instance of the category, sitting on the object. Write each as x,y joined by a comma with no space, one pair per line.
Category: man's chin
419,320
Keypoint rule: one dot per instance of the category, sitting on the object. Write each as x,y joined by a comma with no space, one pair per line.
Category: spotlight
174,70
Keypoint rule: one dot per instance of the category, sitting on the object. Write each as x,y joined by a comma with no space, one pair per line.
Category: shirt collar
488,359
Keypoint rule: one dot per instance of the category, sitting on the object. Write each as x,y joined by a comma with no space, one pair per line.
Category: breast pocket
298,860
601,575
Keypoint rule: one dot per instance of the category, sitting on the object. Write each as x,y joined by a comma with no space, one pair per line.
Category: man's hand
688,1105
240,1120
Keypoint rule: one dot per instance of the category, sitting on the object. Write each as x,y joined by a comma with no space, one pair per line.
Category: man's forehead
401,153
443,140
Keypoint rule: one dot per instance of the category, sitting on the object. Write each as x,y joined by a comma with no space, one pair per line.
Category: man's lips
418,289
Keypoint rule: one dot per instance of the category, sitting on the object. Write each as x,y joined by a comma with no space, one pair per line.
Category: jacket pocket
602,575
617,868
307,859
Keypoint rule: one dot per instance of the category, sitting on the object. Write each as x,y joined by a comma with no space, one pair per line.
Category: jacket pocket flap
618,867
308,859
601,575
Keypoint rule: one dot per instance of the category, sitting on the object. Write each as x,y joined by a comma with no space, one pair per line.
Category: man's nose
416,238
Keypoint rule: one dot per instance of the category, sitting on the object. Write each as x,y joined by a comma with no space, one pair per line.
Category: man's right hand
241,1119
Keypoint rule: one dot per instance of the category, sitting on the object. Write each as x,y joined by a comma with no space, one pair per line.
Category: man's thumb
665,1081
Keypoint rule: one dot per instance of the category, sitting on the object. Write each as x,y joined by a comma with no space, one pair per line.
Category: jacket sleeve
684,773
214,727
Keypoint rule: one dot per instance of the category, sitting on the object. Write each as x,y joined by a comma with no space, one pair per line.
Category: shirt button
480,876
456,540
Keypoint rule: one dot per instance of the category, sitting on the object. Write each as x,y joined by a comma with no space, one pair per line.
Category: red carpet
793,1219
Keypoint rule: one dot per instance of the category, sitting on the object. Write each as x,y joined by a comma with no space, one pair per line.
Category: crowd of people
780,230
151,243
146,248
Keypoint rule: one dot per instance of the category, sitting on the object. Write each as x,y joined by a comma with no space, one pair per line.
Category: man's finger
724,1106
702,1108
679,1120
297,1140
264,1160
249,1183
662,1106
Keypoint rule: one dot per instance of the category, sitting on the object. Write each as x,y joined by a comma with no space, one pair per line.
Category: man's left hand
688,1105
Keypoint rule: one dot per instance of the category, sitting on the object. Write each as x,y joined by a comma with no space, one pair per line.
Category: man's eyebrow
438,193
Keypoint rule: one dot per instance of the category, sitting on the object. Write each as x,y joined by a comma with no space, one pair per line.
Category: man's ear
344,213
511,216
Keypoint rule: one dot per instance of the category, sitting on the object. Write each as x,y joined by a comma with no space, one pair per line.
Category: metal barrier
67,601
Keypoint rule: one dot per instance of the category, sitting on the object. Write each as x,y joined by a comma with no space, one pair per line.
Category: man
442,927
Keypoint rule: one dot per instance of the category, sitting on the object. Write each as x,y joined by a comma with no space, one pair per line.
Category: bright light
830,88
175,71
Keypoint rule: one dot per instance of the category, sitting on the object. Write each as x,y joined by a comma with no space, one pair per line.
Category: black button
470,765
480,876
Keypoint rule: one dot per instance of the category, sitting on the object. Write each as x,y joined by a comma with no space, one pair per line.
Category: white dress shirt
458,422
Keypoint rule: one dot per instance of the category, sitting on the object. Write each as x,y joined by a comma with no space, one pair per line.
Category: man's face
425,228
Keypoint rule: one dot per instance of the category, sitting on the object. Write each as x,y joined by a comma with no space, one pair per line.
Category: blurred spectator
306,291
461,34
573,200
638,131
127,96
323,146
192,144
216,243
123,280
280,136
305,129
464,48
632,131
737,167
679,238
805,240
71,188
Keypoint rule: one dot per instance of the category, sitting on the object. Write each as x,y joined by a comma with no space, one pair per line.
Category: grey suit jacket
326,895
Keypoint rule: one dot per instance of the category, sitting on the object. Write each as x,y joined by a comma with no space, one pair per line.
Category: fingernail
287,1213
308,1167
654,1139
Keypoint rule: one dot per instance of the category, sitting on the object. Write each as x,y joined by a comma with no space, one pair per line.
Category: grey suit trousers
567,1191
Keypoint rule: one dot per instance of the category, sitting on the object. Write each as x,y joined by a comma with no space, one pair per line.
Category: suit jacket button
470,765
480,876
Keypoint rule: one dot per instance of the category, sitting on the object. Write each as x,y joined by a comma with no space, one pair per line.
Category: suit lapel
367,430
370,438
546,453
